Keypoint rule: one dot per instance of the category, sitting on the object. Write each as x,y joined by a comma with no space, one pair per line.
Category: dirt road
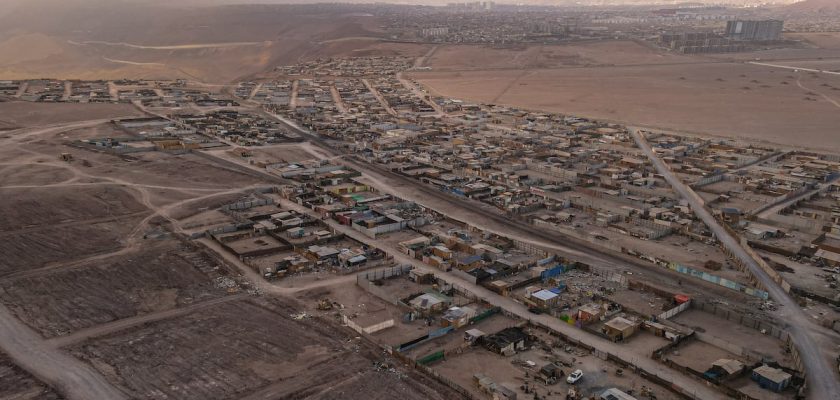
70,376
121,324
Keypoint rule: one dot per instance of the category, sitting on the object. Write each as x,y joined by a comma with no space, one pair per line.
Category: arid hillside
94,40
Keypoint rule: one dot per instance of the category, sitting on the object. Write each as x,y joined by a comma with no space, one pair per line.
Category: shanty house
771,378
619,328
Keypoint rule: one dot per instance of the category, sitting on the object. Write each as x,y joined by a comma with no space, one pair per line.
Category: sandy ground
24,114
460,57
136,304
727,99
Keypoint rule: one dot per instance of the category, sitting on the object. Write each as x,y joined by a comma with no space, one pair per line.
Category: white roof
544,295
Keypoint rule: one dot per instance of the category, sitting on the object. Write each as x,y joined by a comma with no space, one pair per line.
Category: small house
590,312
427,303
545,298
619,328
503,393
615,394
457,317
771,378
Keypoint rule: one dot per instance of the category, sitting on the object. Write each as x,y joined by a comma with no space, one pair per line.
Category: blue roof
470,259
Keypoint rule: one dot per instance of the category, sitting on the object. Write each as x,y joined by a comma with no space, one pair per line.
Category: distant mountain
815,6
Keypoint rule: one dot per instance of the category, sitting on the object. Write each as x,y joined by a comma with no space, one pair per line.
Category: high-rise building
766,30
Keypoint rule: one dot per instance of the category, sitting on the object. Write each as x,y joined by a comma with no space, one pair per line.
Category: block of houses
469,262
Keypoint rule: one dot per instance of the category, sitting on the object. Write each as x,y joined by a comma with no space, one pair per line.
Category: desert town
336,226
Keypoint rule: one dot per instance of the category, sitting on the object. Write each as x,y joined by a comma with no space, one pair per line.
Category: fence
618,360
658,230
611,275
370,329
792,222
785,197
674,311
758,324
708,180
728,346
244,205
719,281
365,281
425,338
766,267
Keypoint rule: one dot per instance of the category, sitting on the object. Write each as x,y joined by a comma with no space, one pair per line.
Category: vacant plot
282,154
36,206
17,384
106,130
33,174
26,114
240,348
823,40
461,57
699,356
735,335
183,171
29,249
164,275
726,99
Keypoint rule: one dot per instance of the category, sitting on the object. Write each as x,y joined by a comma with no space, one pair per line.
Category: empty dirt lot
705,96
247,349
461,57
91,266
30,249
20,114
162,275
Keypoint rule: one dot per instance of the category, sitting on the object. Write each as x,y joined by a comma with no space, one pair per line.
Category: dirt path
255,91
421,61
339,102
125,323
73,378
172,47
821,377
824,96
510,84
379,97
294,96
420,94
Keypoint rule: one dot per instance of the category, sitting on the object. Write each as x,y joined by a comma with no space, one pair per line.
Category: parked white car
574,376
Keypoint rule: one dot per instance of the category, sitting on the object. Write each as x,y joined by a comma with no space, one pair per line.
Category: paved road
822,379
